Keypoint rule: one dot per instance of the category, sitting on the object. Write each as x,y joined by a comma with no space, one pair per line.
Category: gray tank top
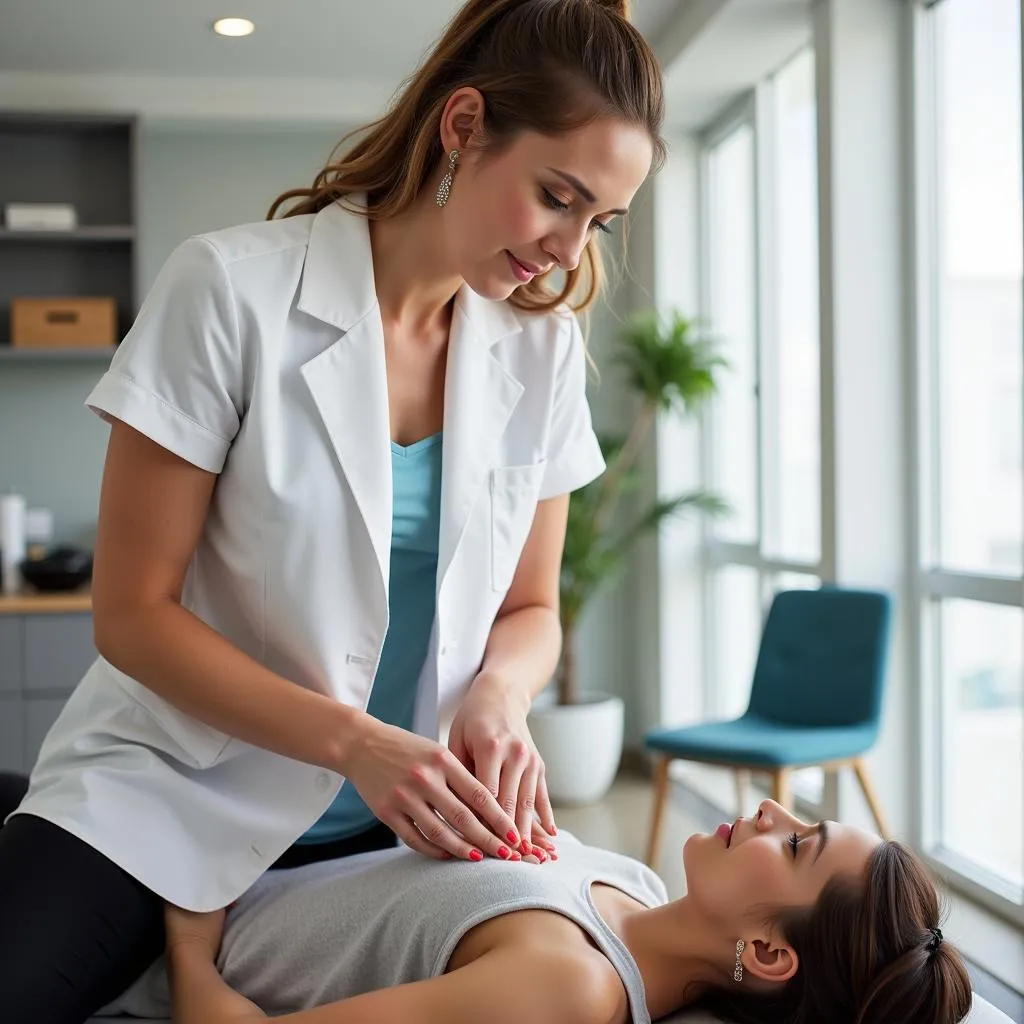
316,934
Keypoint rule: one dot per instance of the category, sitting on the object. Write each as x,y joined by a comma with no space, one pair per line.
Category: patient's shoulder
578,986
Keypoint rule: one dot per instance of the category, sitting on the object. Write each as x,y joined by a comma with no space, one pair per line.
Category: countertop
42,604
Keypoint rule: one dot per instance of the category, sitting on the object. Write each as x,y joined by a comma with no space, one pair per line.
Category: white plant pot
581,746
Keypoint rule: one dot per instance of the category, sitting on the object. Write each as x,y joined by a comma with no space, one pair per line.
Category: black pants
75,929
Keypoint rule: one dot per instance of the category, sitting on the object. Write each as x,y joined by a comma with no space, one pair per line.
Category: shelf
36,602
10,354
80,235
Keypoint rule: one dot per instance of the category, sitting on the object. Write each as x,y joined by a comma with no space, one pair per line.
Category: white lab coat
259,355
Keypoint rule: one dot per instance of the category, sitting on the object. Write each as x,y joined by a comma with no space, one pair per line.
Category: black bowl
61,570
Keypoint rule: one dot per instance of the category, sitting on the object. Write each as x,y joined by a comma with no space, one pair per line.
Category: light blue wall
190,179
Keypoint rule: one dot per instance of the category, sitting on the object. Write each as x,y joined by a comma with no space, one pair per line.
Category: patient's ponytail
870,952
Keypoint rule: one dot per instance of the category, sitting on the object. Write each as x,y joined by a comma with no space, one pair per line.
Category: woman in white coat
333,510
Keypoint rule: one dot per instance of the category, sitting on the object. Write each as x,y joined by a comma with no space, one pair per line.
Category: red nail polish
503,853
515,856
526,848
554,856
513,838
554,831
475,855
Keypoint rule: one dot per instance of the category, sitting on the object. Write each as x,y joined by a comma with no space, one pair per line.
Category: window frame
929,586
754,110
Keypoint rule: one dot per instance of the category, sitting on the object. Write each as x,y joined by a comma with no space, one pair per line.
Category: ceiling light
234,27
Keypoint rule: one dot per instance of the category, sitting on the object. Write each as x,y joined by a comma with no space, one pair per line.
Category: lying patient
781,923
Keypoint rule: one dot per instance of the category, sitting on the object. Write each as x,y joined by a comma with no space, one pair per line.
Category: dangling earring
737,974
444,190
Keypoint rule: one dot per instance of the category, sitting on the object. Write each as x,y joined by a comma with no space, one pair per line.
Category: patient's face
770,860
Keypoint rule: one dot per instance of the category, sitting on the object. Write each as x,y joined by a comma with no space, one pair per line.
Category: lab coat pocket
514,491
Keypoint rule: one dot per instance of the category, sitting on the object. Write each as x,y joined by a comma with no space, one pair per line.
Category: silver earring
737,974
444,190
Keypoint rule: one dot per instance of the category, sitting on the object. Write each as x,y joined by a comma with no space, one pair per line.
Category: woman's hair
870,953
548,66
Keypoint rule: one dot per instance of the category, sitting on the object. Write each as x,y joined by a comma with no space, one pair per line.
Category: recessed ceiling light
234,27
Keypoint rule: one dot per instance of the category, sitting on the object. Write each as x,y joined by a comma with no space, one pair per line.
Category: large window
760,297
972,486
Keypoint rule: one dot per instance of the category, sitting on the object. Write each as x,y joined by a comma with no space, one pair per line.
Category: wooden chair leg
742,777
781,790
658,809
868,787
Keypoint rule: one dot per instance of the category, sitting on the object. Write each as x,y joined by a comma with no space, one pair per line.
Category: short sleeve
574,456
178,377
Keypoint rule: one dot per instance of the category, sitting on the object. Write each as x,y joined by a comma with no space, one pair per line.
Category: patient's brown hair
547,66
870,953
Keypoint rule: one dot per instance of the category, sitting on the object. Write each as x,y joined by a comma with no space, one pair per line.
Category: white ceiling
331,60
351,39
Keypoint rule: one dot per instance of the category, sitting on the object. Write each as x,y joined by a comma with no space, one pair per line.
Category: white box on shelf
40,217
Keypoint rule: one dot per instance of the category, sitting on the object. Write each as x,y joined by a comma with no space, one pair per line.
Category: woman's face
771,860
533,206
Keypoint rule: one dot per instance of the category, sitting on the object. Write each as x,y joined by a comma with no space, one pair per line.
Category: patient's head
837,925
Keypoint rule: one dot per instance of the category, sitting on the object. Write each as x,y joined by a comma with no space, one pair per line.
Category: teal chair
816,699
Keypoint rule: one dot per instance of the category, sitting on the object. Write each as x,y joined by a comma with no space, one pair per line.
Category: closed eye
556,204
794,842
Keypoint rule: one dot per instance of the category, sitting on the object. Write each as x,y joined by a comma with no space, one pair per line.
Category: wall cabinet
42,658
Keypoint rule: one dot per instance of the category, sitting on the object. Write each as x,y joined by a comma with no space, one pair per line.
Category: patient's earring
444,190
737,974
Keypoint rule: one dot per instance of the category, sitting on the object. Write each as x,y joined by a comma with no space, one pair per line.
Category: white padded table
982,1013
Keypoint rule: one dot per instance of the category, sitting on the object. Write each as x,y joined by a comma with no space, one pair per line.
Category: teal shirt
416,514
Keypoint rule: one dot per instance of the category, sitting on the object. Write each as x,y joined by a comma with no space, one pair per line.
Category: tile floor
621,822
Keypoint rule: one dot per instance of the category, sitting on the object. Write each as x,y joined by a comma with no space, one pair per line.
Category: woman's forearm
172,652
522,651
200,995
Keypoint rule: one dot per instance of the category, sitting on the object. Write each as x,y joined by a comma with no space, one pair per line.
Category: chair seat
757,742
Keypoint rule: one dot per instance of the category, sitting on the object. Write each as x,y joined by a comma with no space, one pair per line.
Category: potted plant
670,366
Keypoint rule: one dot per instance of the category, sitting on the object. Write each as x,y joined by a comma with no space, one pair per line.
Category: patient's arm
198,993
505,986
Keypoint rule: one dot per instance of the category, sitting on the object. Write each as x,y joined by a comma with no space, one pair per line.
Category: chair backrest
822,658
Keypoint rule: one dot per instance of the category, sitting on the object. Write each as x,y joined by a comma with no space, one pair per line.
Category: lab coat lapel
348,380
480,395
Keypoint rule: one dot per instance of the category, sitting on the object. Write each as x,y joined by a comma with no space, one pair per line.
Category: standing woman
333,510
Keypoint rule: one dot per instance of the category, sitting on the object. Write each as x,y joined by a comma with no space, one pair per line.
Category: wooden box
63,323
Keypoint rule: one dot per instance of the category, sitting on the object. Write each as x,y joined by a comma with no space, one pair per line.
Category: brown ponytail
520,54
619,7
870,953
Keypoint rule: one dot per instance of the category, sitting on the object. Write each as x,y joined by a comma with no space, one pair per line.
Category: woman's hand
201,930
421,791
490,737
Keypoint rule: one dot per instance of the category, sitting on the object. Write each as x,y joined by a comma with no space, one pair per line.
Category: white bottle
12,541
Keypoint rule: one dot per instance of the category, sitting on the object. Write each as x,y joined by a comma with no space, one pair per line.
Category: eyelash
794,842
556,204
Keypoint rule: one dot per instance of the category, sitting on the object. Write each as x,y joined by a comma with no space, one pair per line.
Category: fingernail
475,855
503,853
515,856
539,854
526,848
554,856
553,831
513,838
